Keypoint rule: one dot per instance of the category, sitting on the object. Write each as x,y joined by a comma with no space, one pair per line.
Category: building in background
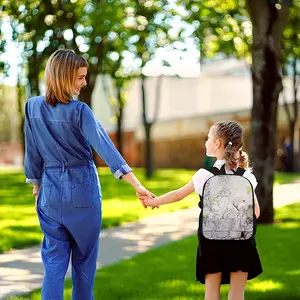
188,107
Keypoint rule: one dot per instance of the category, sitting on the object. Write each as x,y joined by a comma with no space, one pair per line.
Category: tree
146,29
4,67
224,26
21,104
85,26
117,101
220,27
268,26
291,57
40,28
115,67
153,23
97,30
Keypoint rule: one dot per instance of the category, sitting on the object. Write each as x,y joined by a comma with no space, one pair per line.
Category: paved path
21,271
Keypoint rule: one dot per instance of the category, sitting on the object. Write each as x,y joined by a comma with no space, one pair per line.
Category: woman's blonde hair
231,133
60,75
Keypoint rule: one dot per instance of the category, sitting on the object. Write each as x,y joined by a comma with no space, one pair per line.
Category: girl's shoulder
251,178
202,175
199,178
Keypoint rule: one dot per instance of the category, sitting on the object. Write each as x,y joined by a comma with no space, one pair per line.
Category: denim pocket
44,195
81,195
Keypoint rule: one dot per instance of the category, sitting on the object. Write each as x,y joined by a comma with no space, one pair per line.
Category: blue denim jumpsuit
58,157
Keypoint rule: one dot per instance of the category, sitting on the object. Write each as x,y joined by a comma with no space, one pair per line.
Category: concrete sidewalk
21,271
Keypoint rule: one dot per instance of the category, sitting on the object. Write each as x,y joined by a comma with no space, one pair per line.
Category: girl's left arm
256,207
172,196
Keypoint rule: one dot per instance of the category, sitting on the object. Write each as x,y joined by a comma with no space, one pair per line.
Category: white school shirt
202,175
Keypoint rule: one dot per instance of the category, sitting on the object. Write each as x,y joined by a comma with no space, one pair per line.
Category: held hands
144,195
151,202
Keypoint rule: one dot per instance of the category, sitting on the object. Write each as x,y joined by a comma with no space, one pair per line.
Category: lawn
19,226
167,273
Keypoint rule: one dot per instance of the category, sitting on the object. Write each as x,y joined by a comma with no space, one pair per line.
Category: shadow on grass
116,221
25,229
10,239
282,178
289,213
119,201
168,272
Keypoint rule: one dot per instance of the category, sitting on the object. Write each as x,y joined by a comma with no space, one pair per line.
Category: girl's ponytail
236,158
243,160
231,133
230,155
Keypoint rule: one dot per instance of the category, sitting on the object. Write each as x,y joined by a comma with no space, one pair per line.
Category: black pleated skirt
227,256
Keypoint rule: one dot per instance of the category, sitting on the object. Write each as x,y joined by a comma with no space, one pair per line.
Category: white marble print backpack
227,206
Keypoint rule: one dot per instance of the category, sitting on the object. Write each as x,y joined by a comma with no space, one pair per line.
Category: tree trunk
268,23
295,109
20,96
148,151
120,121
147,127
292,121
292,154
33,74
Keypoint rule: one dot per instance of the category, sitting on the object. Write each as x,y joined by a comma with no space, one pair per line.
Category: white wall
183,101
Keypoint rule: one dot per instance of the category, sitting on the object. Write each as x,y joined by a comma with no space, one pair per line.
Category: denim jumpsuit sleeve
97,137
33,162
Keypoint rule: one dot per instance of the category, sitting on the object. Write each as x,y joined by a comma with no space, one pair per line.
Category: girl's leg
238,282
212,286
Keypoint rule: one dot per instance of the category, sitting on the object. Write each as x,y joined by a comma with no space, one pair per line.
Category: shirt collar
219,163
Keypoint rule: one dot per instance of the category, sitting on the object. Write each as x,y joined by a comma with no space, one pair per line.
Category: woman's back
57,131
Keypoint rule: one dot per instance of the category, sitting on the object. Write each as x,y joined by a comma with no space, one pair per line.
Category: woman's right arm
97,137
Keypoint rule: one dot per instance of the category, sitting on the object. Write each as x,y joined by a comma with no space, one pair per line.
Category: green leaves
220,26
291,45
104,31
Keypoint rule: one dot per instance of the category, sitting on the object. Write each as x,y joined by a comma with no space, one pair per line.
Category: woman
59,133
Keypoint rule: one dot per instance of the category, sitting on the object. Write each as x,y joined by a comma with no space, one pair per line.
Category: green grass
282,178
168,272
19,226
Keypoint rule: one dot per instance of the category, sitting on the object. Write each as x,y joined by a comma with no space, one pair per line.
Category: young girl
221,261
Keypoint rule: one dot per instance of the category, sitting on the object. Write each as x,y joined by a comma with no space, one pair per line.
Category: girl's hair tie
230,143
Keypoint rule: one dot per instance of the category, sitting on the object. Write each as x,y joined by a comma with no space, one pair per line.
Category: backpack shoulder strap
222,170
239,171
216,171
213,170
